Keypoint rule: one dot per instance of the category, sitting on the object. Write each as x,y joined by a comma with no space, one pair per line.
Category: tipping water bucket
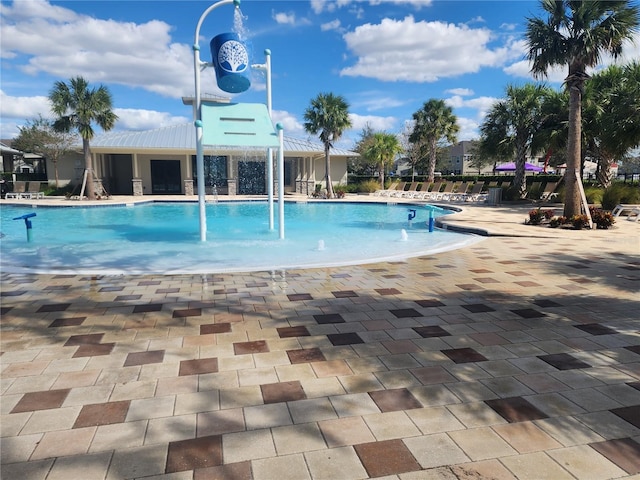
231,62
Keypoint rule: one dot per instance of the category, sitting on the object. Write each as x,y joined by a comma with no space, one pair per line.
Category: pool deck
515,358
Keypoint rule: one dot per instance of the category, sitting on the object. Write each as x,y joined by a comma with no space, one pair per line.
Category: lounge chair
475,194
398,188
632,209
422,189
33,191
409,191
446,192
534,189
18,190
460,192
393,186
549,191
432,192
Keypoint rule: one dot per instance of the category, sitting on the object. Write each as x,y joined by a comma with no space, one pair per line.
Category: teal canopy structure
244,125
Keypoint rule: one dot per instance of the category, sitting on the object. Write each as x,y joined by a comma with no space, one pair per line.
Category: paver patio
517,357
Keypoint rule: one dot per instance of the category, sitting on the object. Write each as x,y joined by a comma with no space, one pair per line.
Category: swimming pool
164,238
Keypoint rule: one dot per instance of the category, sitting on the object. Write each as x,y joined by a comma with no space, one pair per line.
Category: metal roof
4,148
183,137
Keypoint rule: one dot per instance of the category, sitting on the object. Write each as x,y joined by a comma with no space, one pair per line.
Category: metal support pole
197,112
280,129
266,67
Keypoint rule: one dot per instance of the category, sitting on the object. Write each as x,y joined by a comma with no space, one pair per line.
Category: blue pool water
164,237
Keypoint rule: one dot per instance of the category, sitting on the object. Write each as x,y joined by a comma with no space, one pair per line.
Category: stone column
188,187
138,191
232,186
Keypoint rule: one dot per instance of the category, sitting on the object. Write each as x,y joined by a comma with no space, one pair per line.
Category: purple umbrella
511,167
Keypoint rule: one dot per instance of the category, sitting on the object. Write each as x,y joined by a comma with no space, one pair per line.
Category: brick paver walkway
517,357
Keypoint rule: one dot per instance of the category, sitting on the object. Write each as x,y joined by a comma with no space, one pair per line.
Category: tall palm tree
434,123
327,115
577,33
78,107
382,150
511,125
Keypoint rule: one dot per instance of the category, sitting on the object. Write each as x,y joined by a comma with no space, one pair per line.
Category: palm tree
434,123
511,125
577,33
77,107
328,115
381,150
611,116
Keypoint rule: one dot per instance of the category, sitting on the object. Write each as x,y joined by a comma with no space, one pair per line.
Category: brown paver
505,359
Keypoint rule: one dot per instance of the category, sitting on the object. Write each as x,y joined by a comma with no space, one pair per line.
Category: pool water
165,238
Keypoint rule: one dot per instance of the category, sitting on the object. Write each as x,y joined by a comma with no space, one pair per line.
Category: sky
385,57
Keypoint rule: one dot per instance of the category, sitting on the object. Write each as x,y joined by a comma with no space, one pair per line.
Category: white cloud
126,53
463,92
292,127
382,124
138,119
469,129
333,25
284,18
24,108
373,101
396,50
319,6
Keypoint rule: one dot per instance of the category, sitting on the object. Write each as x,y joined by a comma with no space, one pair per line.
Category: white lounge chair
632,209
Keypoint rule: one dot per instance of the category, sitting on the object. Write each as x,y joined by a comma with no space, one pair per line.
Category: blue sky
386,57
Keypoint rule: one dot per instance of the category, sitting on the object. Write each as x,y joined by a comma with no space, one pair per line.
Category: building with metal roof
162,161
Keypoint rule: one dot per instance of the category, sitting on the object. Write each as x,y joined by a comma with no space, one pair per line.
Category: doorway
165,177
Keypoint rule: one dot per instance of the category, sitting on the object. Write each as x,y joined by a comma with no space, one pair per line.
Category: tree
414,152
382,150
611,116
38,136
577,34
360,165
328,116
78,107
434,123
511,125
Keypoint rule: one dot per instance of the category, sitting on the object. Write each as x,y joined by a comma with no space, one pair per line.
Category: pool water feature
159,237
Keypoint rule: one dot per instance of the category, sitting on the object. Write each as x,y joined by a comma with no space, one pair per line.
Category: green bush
594,195
368,186
620,192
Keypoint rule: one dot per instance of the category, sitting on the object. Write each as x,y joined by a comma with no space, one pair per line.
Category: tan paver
507,301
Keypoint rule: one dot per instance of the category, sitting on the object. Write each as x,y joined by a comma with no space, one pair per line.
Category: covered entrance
165,177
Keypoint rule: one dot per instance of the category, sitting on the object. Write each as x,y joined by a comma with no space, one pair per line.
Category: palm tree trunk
519,178
603,172
327,168
381,174
572,199
88,165
432,162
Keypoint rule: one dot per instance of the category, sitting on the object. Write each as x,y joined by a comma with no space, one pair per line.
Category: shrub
368,186
602,218
340,191
594,195
557,221
579,221
537,215
620,192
